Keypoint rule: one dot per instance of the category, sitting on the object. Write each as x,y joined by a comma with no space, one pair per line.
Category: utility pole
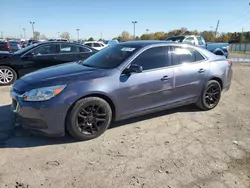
134,22
1,34
242,35
77,30
24,35
33,30
217,26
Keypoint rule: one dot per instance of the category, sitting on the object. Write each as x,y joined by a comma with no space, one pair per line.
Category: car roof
93,41
143,43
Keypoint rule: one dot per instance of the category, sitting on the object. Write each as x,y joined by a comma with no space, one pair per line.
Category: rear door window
68,48
97,44
182,55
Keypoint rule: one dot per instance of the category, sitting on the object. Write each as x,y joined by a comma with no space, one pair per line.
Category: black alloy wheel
89,118
210,96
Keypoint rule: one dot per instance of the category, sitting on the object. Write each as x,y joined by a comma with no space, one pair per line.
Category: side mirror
134,69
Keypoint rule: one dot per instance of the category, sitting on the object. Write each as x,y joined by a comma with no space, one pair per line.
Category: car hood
57,75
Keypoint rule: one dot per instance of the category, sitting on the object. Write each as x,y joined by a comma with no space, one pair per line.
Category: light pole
32,24
77,30
101,36
134,22
58,34
147,30
24,35
1,34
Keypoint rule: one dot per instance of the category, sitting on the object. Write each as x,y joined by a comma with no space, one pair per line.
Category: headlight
43,94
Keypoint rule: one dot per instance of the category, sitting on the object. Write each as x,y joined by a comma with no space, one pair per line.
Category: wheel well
218,80
12,68
104,97
219,52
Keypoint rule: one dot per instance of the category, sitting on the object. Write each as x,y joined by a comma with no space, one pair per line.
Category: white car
95,44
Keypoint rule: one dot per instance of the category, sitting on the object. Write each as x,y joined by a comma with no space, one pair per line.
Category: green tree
43,37
159,35
125,36
65,35
91,39
137,38
36,35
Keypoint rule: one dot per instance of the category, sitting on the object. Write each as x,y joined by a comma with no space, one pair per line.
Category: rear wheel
89,118
7,76
210,96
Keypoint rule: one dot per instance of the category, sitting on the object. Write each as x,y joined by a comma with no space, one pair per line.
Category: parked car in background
95,44
216,48
37,56
15,45
31,41
118,82
111,42
4,46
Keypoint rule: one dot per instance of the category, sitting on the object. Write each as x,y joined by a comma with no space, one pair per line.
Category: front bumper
47,117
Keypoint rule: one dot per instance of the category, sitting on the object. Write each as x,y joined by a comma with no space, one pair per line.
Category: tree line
209,36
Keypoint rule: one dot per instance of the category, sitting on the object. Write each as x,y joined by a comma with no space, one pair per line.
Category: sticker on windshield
127,49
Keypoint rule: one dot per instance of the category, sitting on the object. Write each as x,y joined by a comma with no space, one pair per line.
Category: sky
111,17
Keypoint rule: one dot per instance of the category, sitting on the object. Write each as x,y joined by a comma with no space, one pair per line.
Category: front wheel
7,76
210,96
89,118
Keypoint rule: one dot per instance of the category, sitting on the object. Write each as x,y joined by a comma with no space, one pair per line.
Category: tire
79,121
9,71
205,96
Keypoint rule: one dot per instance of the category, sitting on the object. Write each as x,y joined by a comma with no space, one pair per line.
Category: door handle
201,70
165,78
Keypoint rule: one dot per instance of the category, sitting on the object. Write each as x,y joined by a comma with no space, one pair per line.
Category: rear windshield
14,42
110,57
175,39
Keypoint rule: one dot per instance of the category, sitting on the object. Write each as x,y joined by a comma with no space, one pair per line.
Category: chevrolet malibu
124,80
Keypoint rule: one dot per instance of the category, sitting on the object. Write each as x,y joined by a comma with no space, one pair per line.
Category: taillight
7,45
229,62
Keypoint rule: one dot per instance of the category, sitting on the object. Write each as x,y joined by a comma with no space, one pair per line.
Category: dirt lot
180,148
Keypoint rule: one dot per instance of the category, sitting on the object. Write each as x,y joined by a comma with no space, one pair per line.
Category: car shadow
16,137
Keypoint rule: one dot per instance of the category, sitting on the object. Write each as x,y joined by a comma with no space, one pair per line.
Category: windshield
175,39
25,49
110,57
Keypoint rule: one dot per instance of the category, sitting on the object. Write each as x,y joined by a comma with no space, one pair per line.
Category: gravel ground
180,148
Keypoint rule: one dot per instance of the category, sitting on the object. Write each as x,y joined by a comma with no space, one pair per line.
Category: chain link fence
240,48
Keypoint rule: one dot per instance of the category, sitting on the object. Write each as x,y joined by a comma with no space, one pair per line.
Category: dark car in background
15,45
38,56
4,46
121,81
216,48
